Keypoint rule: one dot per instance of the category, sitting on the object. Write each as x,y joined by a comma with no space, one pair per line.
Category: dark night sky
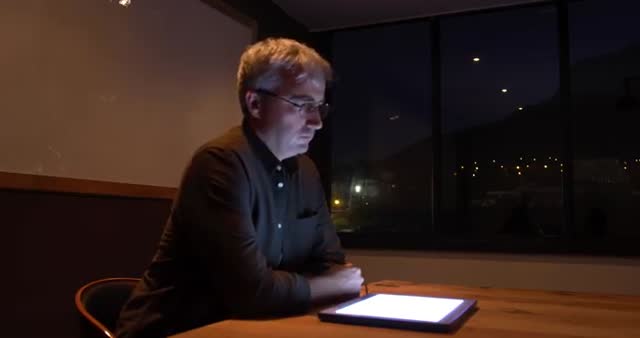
385,71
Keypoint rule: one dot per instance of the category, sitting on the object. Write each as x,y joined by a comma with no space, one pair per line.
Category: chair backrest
100,302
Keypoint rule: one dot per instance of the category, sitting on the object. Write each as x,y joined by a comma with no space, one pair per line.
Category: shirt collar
268,159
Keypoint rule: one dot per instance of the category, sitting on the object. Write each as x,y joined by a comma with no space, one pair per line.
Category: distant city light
555,159
477,168
124,3
520,158
336,202
461,167
494,161
518,167
519,173
527,166
476,59
534,159
394,117
502,167
520,108
504,90
474,175
625,168
546,166
358,188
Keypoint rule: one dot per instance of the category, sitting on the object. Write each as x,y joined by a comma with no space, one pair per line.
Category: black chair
100,302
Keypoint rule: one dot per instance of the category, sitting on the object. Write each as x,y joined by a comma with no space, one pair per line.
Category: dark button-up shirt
242,231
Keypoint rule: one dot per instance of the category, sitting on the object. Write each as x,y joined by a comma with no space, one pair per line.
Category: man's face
287,129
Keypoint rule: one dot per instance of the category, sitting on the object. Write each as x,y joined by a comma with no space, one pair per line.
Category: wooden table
501,313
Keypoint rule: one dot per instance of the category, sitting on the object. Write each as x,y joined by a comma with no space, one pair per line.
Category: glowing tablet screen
419,308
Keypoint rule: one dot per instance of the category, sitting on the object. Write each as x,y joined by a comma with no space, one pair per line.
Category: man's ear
252,99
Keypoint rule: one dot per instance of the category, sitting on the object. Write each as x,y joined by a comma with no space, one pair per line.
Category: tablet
402,311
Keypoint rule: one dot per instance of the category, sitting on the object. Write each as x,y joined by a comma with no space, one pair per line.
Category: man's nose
314,121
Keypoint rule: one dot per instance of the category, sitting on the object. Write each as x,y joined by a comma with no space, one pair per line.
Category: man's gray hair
264,64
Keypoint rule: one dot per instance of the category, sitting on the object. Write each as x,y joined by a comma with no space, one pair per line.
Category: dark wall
53,243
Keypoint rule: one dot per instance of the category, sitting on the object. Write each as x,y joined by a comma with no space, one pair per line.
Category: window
605,74
381,128
533,151
502,131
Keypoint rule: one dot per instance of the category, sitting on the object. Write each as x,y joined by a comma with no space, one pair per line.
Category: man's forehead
294,77
310,89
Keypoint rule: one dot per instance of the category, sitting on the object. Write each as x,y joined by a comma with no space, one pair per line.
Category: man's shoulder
224,152
232,141
306,165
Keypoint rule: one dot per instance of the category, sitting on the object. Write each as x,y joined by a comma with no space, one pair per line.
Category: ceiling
320,15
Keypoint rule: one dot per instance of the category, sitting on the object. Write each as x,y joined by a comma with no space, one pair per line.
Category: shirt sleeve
214,204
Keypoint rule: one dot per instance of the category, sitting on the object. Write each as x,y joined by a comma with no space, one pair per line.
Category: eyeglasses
302,108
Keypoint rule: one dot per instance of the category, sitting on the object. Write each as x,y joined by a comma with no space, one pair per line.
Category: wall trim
15,181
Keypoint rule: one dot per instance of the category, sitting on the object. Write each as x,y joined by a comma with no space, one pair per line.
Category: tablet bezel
450,322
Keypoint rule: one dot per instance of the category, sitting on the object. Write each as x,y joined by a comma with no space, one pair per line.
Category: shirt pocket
303,235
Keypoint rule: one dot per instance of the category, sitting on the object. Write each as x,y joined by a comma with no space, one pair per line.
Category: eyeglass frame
306,108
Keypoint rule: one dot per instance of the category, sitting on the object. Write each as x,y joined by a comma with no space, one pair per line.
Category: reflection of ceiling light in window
504,90
476,59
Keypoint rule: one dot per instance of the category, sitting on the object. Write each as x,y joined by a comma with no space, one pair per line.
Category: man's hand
337,282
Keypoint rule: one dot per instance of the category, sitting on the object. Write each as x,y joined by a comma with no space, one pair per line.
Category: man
249,233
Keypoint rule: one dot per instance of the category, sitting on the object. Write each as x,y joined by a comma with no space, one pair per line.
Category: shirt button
279,226
280,184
